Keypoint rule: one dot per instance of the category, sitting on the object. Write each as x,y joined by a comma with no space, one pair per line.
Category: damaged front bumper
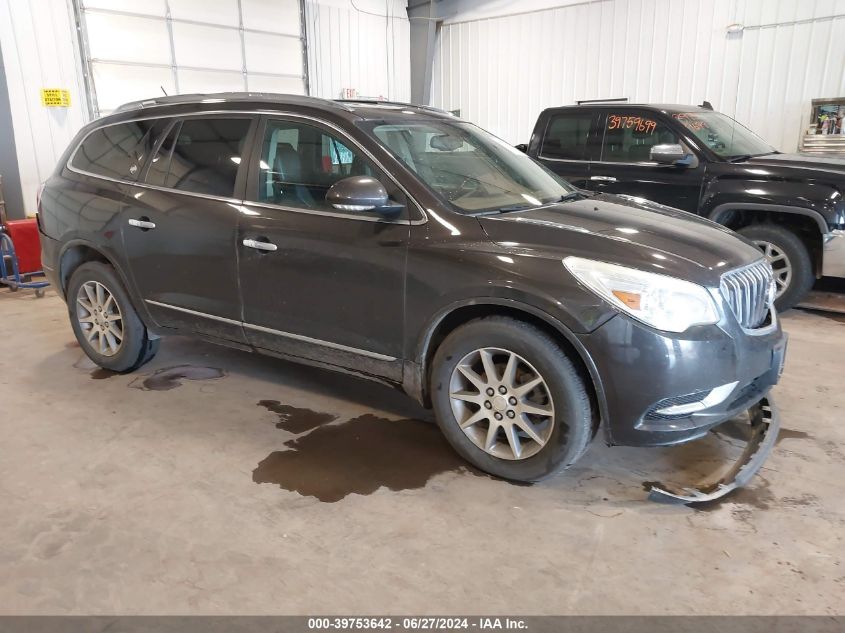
764,424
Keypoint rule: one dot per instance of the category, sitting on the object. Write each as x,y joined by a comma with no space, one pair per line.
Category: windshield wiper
739,158
574,195
515,207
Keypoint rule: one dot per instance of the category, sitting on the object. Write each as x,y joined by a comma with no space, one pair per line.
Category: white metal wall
39,52
502,71
136,50
364,45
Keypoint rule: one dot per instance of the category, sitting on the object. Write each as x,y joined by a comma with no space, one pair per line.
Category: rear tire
790,260
105,322
552,421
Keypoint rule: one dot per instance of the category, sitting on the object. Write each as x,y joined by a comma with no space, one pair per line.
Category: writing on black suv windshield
723,135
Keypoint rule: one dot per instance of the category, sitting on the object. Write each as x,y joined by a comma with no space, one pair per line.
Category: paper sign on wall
55,97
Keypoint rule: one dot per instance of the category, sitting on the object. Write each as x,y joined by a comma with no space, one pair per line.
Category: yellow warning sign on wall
55,97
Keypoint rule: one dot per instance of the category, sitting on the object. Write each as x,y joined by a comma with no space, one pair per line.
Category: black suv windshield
723,135
473,170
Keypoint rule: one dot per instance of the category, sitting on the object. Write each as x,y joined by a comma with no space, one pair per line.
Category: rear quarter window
117,151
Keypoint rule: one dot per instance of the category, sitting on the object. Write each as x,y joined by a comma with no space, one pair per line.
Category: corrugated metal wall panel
502,71
39,52
365,46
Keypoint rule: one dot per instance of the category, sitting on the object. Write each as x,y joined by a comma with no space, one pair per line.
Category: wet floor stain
102,373
295,419
359,457
85,363
790,434
171,377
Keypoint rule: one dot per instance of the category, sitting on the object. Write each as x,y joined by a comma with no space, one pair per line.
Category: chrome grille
749,292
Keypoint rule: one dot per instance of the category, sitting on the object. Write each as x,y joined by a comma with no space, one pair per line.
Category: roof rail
393,103
212,97
155,101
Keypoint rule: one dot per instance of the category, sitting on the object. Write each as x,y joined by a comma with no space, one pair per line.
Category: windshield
723,135
472,169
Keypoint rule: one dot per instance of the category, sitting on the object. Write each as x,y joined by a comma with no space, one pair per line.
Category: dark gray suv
403,244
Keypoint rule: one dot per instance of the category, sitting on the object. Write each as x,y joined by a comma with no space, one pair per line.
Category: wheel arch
809,225
456,315
77,252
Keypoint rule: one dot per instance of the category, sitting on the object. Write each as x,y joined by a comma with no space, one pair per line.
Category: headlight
663,302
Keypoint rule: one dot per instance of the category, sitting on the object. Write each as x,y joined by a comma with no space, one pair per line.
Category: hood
832,162
628,231
828,167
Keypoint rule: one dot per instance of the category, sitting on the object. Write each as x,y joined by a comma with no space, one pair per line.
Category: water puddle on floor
356,457
102,373
295,419
169,378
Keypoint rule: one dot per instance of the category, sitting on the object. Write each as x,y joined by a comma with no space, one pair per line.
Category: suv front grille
749,293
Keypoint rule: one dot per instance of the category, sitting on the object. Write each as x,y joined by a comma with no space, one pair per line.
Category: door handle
603,178
143,223
259,245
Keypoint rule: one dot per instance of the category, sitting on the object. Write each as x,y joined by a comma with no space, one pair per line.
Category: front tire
789,258
105,323
509,400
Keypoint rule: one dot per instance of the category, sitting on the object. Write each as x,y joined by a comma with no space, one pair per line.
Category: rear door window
630,135
568,136
118,151
201,155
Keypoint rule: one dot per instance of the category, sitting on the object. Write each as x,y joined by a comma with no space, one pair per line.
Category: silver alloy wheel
99,318
502,403
781,265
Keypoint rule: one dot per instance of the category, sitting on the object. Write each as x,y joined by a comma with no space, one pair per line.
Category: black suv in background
692,158
403,244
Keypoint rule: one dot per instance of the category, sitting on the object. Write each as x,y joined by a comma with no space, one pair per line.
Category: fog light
716,396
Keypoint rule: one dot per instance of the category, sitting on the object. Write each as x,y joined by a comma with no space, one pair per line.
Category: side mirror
361,193
670,154
522,147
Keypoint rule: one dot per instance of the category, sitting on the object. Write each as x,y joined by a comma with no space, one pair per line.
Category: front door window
629,137
300,162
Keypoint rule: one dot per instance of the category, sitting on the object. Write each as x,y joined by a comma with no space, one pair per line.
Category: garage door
137,49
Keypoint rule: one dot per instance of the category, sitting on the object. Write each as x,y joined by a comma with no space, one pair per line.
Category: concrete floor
281,489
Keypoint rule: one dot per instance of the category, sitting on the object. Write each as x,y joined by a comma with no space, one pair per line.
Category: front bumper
644,372
765,424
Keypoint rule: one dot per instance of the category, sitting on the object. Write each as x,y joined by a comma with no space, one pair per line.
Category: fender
415,371
724,208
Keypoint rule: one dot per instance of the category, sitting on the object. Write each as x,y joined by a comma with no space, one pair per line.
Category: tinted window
629,137
567,136
158,172
300,162
201,155
118,151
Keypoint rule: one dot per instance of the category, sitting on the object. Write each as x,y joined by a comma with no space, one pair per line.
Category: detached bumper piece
765,424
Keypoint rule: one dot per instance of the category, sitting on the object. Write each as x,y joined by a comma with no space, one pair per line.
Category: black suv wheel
105,322
789,258
509,400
